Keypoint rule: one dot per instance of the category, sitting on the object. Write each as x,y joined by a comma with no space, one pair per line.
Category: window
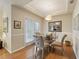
31,27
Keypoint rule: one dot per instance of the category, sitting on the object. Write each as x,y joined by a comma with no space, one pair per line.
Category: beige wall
1,13
18,34
66,23
76,9
5,11
76,32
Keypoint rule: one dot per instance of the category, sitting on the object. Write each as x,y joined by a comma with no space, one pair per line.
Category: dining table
49,39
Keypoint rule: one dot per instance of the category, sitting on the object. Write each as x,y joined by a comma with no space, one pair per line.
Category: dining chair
39,44
46,44
60,44
48,40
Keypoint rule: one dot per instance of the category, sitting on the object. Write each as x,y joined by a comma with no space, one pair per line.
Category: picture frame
55,26
17,24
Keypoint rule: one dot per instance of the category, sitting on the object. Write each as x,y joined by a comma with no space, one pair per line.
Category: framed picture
17,24
5,25
55,26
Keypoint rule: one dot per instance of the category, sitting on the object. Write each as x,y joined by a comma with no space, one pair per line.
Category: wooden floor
28,53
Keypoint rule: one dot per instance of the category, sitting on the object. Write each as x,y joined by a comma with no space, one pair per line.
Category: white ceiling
45,7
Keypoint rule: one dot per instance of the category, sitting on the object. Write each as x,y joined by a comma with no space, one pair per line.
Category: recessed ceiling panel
46,7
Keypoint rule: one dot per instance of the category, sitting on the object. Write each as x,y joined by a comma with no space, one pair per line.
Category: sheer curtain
31,27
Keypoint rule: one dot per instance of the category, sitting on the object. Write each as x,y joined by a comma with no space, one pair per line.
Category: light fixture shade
49,17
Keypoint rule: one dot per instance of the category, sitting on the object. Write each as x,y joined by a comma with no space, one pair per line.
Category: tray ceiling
44,7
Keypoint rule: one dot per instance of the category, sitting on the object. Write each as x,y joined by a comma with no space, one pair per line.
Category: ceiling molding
22,8
45,7
21,2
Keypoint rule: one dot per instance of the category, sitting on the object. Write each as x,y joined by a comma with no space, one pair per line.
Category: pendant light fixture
49,17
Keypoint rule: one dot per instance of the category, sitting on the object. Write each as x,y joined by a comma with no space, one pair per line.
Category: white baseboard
23,47
30,43
27,44
17,49
7,50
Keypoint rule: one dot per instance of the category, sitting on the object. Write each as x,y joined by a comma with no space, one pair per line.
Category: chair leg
48,49
53,48
62,50
42,53
35,53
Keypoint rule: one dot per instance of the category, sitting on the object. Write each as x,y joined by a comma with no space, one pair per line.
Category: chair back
63,38
49,36
39,42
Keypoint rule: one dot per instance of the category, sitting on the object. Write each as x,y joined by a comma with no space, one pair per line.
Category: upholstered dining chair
47,41
46,44
39,44
60,44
